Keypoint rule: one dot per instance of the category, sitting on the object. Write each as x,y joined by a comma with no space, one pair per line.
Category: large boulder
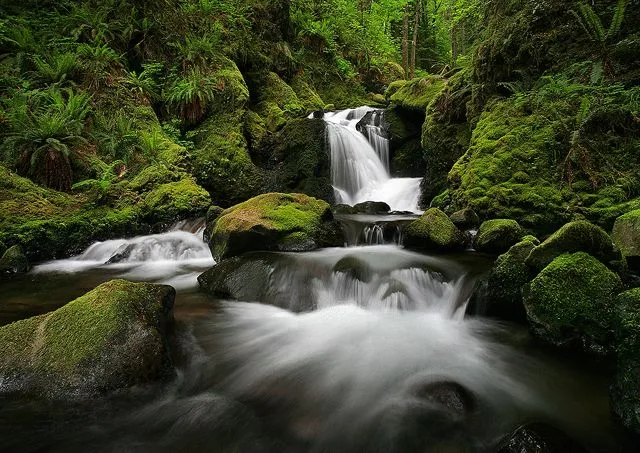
465,219
274,222
497,236
625,390
571,303
500,295
579,236
113,337
14,261
174,201
433,231
626,235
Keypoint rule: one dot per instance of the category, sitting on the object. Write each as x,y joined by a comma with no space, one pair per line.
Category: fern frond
591,23
618,17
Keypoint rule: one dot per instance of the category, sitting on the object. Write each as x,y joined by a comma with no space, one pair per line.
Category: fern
618,17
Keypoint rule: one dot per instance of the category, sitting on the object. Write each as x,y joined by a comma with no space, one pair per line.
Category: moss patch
497,235
414,94
571,303
433,230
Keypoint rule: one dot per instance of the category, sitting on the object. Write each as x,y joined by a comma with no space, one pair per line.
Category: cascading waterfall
175,257
360,165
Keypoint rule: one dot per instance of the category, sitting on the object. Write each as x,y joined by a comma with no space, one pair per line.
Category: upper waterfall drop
360,164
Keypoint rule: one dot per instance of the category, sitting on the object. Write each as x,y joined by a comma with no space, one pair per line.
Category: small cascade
374,235
175,257
360,162
374,229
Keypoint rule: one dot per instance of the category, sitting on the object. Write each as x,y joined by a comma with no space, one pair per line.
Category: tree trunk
414,41
405,41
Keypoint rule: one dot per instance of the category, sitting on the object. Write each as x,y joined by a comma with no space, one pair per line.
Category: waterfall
360,162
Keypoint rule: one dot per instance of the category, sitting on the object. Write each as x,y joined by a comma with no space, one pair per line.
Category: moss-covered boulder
277,101
433,231
571,303
274,221
176,200
113,337
500,295
13,261
497,235
579,236
414,94
465,219
298,160
626,235
625,390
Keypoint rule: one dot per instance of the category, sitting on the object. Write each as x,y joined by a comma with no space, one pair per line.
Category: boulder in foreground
433,231
497,236
274,222
113,337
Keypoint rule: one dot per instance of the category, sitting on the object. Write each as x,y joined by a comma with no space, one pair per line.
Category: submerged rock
113,337
433,231
579,236
497,236
274,222
355,267
239,278
626,235
372,207
539,438
625,390
571,303
14,261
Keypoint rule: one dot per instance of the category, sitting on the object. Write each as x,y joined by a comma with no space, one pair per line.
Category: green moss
571,303
433,230
254,129
503,290
270,221
626,233
277,101
221,161
152,176
111,337
13,261
465,219
579,236
307,96
497,235
177,200
625,389
414,94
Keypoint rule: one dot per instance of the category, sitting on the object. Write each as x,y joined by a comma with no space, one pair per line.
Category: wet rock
500,295
626,235
497,236
343,209
450,396
318,114
14,261
354,267
465,219
122,254
570,304
539,438
274,222
113,337
210,220
240,278
372,207
625,390
433,231
579,236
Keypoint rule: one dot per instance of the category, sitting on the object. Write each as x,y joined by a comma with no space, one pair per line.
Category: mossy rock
571,303
307,95
274,221
113,337
355,268
433,231
277,101
14,261
152,176
500,295
176,200
497,236
579,236
298,160
625,390
626,235
414,94
465,219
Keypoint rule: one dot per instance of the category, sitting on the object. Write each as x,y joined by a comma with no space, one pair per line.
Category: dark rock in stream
371,207
113,337
355,268
14,261
433,231
539,438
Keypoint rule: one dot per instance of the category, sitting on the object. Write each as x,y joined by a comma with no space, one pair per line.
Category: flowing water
365,348
360,164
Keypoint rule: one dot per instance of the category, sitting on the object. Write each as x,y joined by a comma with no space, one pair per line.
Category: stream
311,358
